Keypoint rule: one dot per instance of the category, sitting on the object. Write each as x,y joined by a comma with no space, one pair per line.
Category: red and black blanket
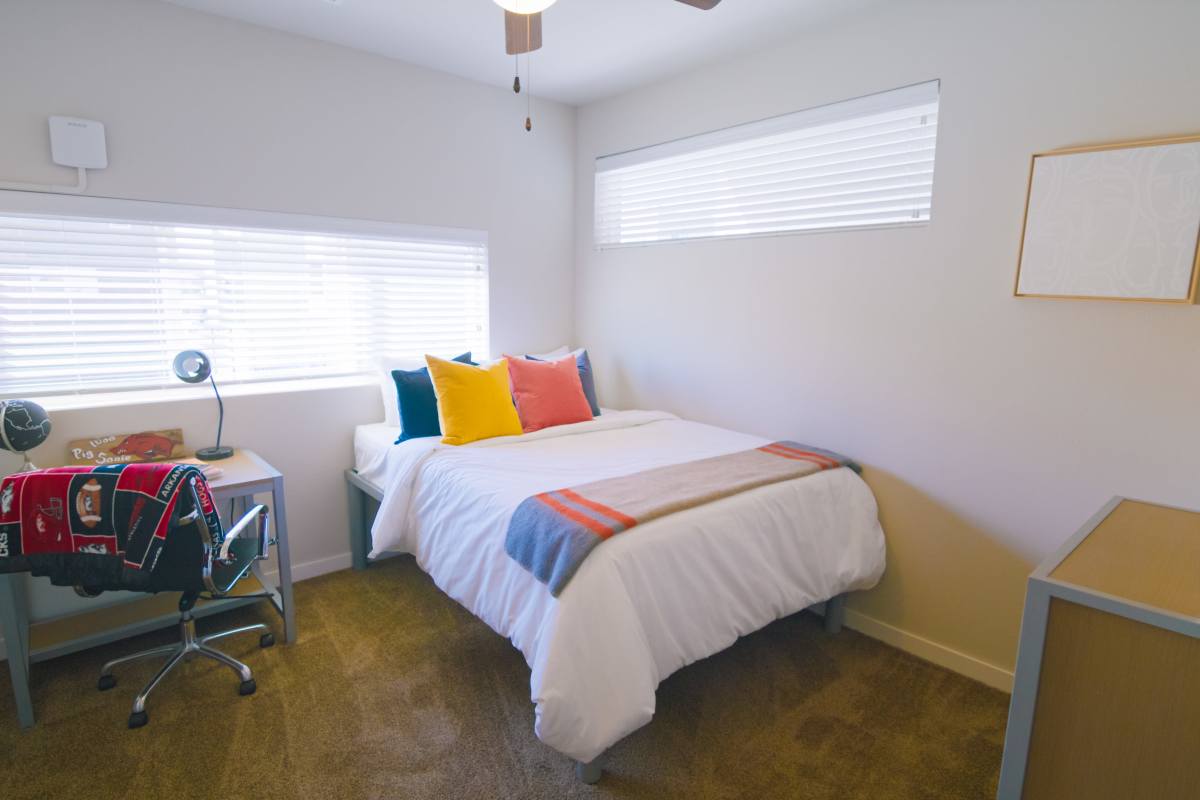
105,527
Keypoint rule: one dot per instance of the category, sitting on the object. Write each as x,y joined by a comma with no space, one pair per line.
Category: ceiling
593,48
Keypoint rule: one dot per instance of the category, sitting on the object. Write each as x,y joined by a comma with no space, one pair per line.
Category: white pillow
387,386
553,355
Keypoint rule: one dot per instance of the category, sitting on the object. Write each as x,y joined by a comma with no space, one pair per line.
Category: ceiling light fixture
525,6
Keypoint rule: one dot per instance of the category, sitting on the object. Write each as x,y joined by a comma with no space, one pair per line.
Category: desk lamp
192,366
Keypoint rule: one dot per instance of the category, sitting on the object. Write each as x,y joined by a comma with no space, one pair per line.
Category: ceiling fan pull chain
529,93
529,77
517,74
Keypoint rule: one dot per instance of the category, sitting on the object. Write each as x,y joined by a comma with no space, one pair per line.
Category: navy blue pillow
418,403
585,377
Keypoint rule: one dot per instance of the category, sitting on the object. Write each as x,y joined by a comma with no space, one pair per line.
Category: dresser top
1141,552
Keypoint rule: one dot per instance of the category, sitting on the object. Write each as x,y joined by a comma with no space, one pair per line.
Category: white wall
992,427
204,110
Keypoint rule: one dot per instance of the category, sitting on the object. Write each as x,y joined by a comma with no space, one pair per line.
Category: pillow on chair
416,401
548,393
473,402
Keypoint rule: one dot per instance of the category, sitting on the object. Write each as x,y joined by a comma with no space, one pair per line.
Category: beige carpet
395,691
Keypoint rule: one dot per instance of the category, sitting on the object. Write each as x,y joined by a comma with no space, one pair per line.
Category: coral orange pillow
548,393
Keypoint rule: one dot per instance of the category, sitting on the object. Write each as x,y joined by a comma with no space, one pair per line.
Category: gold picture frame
1194,279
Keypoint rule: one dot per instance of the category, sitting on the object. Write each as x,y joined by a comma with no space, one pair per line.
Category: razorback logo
146,445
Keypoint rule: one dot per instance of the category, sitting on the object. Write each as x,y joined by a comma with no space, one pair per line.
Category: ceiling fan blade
522,32
703,5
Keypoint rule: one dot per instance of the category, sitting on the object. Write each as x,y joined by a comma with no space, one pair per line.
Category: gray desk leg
285,560
14,618
357,502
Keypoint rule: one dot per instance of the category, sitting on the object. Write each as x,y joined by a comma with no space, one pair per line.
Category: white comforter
645,603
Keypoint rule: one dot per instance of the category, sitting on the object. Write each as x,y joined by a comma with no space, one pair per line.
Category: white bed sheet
646,602
374,450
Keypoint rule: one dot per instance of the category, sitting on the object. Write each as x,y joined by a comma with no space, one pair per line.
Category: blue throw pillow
585,377
418,403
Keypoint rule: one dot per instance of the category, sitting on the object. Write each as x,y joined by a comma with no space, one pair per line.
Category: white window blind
862,163
93,304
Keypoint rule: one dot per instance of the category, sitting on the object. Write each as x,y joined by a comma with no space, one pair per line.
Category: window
864,163
103,302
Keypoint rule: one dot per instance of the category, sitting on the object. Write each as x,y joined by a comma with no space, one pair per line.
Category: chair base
190,646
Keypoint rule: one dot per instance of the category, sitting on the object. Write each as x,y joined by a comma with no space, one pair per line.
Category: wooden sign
124,448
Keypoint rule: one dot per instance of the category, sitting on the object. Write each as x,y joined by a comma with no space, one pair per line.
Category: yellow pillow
473,402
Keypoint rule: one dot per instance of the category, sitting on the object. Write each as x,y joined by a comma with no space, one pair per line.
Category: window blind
862,163
97,304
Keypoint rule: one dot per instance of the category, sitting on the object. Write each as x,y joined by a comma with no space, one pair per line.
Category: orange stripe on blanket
799,455
599,508
594,525
796,451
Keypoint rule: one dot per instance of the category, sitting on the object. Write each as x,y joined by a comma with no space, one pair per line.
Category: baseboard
927,650
312,569
300,572
940,654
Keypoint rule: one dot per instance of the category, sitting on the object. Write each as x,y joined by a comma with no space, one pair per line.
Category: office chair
219,570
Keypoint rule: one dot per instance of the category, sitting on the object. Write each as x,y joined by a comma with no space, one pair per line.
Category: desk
245,475
1106,697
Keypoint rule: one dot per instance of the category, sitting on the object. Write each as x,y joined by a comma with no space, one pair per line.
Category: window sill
183,393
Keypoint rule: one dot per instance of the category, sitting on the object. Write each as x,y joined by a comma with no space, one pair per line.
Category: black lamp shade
192,366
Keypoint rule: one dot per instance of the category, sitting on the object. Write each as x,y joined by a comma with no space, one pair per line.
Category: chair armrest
253,523
226,566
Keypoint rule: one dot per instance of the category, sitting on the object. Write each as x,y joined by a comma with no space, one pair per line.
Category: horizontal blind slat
90,304
871,164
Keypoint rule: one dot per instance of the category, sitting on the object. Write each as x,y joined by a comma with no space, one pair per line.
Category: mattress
374,449
644,603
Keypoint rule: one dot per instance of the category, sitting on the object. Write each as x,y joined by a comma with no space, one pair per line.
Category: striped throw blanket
551,534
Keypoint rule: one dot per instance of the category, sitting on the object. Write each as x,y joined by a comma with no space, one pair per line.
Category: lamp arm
220,409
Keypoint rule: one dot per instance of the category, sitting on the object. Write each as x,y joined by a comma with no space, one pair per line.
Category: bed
644,604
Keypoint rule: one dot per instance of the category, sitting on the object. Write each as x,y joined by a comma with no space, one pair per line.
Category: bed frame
364,498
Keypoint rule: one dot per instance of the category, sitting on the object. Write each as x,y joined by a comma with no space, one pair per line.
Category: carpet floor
395,691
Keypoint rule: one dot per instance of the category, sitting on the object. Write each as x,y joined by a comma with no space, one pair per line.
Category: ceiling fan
523,29
523,21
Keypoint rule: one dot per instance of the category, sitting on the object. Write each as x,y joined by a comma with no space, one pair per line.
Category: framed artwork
1113,222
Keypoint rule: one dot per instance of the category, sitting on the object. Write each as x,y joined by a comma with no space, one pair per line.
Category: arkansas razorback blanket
100,527
551,534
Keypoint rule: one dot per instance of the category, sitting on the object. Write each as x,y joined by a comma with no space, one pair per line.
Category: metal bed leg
358,534
590,772
835,613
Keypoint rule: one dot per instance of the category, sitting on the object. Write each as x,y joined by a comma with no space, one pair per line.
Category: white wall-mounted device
74,142
78,143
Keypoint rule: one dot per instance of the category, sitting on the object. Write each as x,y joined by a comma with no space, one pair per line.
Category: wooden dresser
1106,698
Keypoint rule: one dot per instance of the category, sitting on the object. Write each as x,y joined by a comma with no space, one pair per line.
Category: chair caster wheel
266,640
106,682
138,719
247,687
